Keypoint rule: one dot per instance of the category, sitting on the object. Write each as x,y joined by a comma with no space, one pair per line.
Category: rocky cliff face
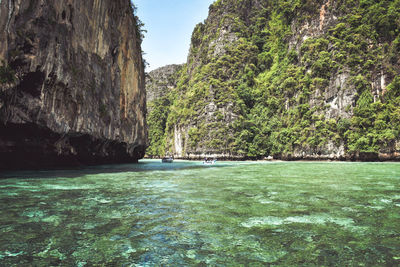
75,87
292,79
161,85
161,81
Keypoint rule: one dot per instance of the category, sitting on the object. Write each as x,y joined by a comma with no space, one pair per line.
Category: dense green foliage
280,93
7,75
157,120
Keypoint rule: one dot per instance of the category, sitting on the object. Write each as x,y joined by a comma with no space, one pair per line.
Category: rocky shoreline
359,157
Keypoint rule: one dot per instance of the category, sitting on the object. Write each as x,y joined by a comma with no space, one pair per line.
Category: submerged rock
75,93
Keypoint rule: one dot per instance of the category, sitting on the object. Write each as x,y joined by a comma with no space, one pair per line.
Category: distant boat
209,162
167,160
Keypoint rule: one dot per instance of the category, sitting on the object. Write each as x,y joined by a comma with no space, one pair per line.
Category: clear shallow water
186,214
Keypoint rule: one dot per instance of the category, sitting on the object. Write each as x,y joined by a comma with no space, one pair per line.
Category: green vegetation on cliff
288,78
7,74
156,119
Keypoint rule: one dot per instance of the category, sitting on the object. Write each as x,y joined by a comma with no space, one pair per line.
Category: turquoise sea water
187,214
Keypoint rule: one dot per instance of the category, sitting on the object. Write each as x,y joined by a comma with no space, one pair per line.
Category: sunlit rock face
298,81
77,96
160,81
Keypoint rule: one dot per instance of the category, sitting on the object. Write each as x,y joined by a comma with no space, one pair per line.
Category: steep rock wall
161,85
161,81
77,93
292,79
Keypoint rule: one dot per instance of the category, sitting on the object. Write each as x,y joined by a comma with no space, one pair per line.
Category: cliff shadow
74,172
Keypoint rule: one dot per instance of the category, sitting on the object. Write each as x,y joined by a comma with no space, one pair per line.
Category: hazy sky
169,25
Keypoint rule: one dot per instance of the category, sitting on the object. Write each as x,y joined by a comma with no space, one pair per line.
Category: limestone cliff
161,85
161,81
75,93
292,79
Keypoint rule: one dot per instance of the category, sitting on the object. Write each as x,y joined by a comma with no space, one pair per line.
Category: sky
169,25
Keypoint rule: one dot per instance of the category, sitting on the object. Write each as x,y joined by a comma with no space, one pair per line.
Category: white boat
167,160
209,162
